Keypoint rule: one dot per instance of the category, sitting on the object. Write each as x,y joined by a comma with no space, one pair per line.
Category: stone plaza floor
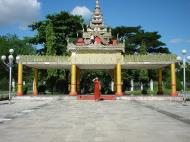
60,120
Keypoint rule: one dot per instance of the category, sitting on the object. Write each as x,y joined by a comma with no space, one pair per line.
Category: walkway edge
150,98
129,98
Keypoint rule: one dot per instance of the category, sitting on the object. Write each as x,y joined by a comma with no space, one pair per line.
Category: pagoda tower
97,27
97,23
96,35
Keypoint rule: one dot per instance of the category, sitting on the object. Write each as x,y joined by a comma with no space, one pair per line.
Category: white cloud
82,10
179,40
176,40
18,11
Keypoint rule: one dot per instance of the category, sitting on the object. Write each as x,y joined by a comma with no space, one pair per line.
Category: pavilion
97,50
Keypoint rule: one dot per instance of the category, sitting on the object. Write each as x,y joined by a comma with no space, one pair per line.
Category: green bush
144,92
62,86
42,89
25,89
4,84
179,86
4,97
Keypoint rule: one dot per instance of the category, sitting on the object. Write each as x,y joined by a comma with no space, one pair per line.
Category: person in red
97,88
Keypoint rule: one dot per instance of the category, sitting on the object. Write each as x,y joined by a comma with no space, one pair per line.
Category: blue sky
169,17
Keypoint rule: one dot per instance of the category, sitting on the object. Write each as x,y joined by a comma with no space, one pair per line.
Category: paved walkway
58,120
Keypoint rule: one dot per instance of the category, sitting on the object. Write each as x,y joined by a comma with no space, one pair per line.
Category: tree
21,47
50,50
137,41
129,35
57,28
50,39
134,38
53,33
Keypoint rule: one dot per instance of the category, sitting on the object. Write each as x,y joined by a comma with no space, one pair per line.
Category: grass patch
150,93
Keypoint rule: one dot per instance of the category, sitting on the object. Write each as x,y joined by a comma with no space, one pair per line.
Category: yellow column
73,81
20,77
35,83
173,80
160,89
78,80
119,83
115,78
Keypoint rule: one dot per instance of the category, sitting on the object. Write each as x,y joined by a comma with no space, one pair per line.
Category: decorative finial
97,4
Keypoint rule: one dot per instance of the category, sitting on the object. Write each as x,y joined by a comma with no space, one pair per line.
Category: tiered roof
98,32
97,23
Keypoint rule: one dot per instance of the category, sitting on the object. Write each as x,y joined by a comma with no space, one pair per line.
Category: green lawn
150,93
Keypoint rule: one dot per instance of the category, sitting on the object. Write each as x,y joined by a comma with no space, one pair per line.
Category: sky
171,18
